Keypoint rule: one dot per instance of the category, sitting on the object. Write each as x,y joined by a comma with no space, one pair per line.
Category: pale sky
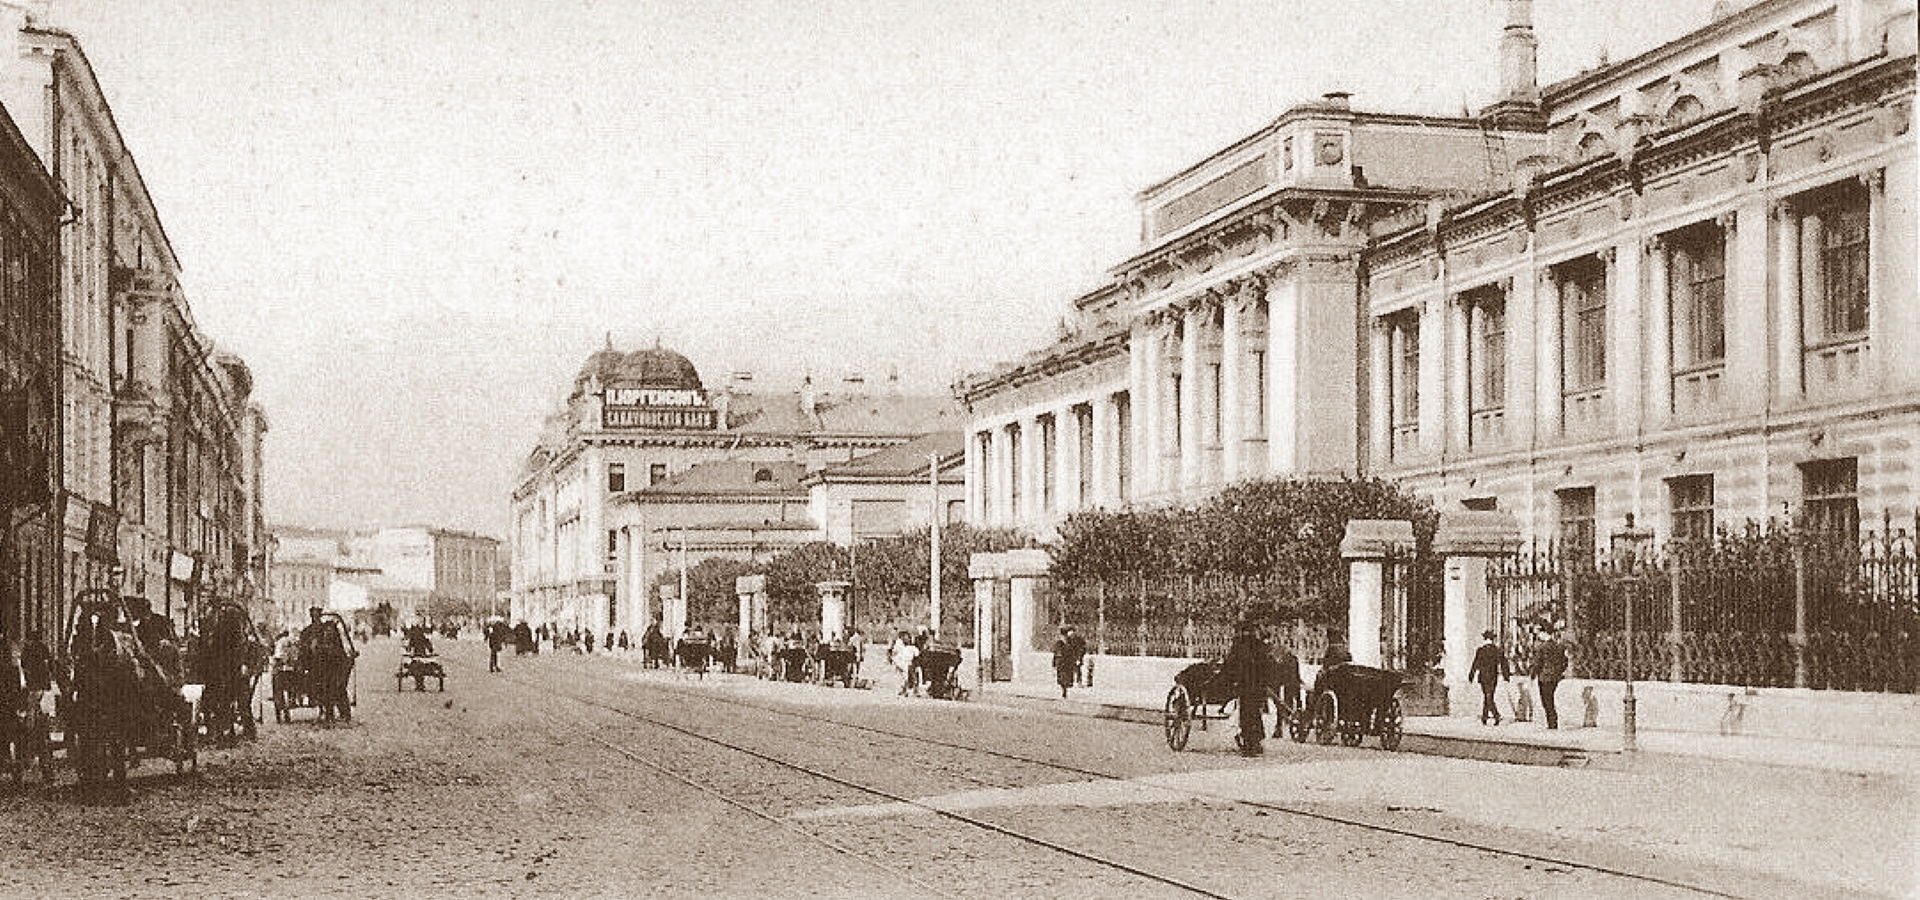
414,219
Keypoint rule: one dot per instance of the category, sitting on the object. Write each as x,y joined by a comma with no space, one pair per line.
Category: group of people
1547,666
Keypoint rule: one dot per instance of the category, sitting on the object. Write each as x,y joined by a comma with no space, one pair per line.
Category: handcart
419,662
838,665
1202,693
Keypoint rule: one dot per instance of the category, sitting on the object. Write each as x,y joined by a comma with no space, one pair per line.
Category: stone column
1233,388
1105,452
1027,570
1380,393
1366,546
1459,377
1190,409
1066,470
1433,374
985,570
1659,307
1467,540
1283,375
1787,314
1548,400
1145,372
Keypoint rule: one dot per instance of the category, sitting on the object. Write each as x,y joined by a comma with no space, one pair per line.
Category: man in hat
1489,667
1548,667
1249,665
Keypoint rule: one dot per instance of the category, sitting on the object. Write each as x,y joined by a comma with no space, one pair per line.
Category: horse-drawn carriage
228,656
939,666
837,664
316,671
790,662
1201,693
1351,701
419,662
124,700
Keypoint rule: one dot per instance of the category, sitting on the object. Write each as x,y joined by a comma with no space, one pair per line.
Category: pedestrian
496,640
1549,666
902,655
1249,665
1489,667
1067,653
1286,668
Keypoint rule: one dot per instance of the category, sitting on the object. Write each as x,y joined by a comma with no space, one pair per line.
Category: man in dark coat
1549,666
1068,651
496,640
1489,667
323,647
1249,665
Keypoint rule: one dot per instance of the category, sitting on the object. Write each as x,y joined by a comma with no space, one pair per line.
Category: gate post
1366,546
751,590
985,569
1027,571
833,609
1466,540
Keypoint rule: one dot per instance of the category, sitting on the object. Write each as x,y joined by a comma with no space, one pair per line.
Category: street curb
1497,751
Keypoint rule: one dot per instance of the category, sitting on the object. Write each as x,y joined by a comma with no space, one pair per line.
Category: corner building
644,459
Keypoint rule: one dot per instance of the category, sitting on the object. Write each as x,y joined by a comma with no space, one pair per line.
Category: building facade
160,440
31,209
1226,348
399,575
643,449
1696,316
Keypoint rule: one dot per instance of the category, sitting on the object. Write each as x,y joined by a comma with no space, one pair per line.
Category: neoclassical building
1700,312
1226,348
1679,285
646,469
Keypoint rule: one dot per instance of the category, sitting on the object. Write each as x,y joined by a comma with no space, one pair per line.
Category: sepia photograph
1042,450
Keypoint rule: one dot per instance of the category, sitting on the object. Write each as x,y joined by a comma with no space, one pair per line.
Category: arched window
1684,110
761,476
1593,146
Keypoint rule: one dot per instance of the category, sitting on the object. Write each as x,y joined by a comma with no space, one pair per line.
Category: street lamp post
1628,545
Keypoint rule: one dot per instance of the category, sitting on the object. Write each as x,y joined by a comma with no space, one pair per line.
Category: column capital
1874,179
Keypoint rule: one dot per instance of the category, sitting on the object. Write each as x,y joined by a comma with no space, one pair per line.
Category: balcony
1696,392
1838,369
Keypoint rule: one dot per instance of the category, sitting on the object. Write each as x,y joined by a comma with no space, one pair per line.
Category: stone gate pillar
1027,571
1366,546
833,608
751,590
1467,540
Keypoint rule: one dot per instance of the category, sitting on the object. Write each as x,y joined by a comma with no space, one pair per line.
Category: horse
228,657
101,708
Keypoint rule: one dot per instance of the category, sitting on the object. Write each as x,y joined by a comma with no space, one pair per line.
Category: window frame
1583,289
1690,504
1697,296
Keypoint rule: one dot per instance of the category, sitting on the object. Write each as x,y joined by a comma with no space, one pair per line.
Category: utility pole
933,541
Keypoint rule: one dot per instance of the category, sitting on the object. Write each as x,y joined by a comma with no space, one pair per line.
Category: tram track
788,823
1297,811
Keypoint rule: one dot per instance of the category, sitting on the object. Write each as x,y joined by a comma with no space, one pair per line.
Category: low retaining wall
1889,720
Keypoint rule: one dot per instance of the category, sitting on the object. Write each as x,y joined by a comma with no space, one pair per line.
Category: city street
571,776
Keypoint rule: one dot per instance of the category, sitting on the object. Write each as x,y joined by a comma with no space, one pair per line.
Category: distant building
891,492
402,574
642,448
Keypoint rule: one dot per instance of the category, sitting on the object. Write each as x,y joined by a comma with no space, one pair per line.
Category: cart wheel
1326,718
1179,722
1392,724
1298,725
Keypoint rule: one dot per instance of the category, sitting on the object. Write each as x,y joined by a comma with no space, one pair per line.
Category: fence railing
1775,609
1190,616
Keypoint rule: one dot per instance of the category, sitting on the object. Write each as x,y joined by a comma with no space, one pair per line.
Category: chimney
1518,106
1519,54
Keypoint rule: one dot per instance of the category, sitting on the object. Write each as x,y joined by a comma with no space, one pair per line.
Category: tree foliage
711,595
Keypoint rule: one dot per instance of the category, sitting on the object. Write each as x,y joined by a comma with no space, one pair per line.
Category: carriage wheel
1179,721
1350,735
1326,718
1393,723
1298,725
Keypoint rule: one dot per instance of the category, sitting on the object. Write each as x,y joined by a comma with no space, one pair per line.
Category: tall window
1576,526
1487,363
616,477
983,451
1049,461
1831,489
1123,444
1834,288
1015,471
1179,412
1403,331
1690,505
1083,449
1260,394
656,473
1697,286
1583,325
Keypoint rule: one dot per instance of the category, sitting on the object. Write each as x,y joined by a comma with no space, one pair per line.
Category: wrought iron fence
1193,615
1774,608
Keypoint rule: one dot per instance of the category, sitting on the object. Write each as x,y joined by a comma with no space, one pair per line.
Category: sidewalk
1527,743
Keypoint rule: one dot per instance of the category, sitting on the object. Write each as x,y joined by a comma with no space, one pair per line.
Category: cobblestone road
503,786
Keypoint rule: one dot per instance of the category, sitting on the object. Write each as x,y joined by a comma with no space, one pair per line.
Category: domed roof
657,368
